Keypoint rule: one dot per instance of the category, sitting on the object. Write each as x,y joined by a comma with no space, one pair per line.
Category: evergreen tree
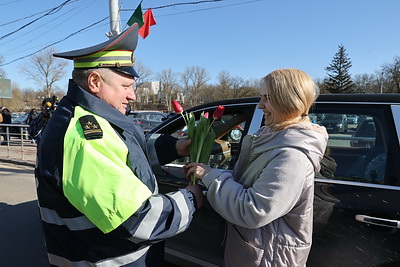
339,79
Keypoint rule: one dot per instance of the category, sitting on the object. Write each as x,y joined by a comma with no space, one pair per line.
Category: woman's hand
197,169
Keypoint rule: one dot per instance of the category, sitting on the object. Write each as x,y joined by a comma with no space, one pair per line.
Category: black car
356,211
334,123
365,134
147,120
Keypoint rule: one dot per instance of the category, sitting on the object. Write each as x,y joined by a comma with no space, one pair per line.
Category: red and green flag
145,20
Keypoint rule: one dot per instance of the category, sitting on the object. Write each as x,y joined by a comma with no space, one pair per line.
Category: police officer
96,189
37,123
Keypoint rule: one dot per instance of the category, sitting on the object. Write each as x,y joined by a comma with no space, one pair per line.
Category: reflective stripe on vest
110,262
74,224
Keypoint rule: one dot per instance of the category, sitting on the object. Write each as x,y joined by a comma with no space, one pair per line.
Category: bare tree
391,74
365,83
186,85
194,81
45,70
144,93
143,72
225,85
235,87
168,86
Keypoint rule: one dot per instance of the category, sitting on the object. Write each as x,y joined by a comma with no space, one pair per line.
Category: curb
19,162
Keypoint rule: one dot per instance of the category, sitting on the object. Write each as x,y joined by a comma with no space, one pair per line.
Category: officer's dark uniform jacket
97,193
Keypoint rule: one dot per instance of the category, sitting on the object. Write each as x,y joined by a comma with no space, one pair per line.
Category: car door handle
378,221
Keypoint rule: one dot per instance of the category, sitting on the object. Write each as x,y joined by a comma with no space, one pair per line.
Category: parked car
147,120
356,213
21,129
365,134
352,119
334,123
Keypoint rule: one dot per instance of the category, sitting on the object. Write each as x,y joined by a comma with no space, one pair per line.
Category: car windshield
21,119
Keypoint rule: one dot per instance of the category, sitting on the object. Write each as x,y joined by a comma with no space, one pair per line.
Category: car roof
368,98
359,98
346,98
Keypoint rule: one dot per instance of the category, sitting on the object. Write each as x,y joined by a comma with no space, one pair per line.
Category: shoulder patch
91,128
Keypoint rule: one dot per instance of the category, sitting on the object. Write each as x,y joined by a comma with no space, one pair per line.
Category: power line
203,9
178,4
4,4
13,21
76,11
47,46
95,23
51,12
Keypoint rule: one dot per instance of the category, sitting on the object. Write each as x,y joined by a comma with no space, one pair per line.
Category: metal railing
16,143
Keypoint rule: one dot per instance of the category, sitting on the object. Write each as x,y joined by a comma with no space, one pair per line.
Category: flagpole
114,19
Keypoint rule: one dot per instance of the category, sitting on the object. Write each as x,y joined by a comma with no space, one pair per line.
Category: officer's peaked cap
115,54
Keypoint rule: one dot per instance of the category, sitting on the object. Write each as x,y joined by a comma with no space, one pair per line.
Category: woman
268,199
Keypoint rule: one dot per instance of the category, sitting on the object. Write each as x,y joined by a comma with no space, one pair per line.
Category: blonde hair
291,93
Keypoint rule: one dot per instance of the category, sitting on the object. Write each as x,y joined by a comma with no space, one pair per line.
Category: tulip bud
218,112
205,115
177,106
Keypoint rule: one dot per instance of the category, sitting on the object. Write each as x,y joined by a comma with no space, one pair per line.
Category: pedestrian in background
6,115
268,199
97,193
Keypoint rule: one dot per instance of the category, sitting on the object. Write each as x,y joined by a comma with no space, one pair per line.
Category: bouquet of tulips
201,134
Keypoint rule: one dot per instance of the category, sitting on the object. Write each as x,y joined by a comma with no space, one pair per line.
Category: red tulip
218,112
205,115
177,106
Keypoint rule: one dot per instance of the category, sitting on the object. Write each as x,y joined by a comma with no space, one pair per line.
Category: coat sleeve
274,194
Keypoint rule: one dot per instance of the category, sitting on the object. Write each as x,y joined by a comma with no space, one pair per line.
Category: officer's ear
94,81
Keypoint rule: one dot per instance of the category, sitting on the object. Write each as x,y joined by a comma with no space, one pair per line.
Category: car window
358,142
229,132
153,117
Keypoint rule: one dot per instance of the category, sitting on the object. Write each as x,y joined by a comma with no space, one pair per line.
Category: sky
246,38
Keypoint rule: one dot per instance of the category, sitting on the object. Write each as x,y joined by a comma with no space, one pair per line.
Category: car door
357,211
202,243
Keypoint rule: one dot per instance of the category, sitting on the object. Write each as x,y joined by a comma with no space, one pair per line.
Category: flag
148,21
137,16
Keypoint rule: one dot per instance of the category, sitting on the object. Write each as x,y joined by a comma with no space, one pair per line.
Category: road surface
21,234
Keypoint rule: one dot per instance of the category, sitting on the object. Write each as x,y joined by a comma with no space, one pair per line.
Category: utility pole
114,19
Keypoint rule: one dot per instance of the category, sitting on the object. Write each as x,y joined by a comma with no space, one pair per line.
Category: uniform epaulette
91,128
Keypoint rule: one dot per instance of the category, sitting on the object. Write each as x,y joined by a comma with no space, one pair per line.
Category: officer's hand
182,147
198,192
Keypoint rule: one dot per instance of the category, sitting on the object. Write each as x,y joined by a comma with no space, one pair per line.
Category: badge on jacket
91,128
